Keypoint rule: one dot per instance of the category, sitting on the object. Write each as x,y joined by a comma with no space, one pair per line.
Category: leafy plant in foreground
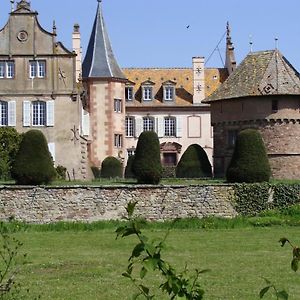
10,258
146,256
294,266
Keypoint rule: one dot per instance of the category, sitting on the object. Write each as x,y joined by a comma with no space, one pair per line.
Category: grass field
87,265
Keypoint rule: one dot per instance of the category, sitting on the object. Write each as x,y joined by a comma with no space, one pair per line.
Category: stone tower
104,83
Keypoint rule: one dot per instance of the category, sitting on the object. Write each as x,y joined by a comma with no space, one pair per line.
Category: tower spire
230,62
99,61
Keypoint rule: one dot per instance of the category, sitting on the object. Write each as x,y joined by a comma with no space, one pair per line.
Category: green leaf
150,249
294,264
203,271
150,264
144,289
135,296
143,272
283,241
267,281
138,249
125,274
296,252
130,208
283,295
263,291
128,231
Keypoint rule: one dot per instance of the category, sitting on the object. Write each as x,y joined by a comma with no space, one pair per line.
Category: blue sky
153,33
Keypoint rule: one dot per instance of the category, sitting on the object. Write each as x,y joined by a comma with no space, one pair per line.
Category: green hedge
251,199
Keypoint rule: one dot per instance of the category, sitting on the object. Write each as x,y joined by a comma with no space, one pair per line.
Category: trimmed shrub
111,168
96,172
147,165
128,169
194,163
33,164
61,172
10,141
249,162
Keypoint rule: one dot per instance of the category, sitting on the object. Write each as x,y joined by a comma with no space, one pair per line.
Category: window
130,152
170,126
148,124
118,140
232,136
129,125
37,68
147,93
170,159
39,113
168,93
118,105
3,113
274,106
7,69
129,93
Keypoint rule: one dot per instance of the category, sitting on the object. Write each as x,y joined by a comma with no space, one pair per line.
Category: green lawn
87,265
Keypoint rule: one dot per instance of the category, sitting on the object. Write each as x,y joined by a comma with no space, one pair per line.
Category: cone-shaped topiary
194,163
33,163
249,162
147,165
111,167
128,169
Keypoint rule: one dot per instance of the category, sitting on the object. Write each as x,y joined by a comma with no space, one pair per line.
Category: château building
90,109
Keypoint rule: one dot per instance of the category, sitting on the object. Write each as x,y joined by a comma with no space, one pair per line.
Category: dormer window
169,90
147,93
168,93
147,90
129,93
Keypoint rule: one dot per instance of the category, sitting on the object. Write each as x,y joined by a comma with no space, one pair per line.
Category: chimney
199,80
76,42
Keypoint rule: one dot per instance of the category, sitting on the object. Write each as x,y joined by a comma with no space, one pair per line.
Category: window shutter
138,126
26,113
51,147
50,113
179,126
160,126
12,113
85,126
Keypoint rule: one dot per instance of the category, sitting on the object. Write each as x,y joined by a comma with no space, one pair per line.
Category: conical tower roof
99,61
260,73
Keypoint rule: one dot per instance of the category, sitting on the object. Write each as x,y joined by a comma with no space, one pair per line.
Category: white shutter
160,126
51,147
26,113
179,127
12,113
85,123
138,126
50,113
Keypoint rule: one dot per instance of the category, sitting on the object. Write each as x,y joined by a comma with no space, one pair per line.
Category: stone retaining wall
89,203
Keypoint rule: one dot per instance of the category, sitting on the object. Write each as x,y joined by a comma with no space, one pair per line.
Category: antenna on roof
12,3
251,43
276,43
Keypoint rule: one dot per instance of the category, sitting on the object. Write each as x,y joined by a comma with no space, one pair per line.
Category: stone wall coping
111,187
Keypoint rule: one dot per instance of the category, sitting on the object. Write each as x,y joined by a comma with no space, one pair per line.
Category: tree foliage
33,163
194,163
128,169
10,141
111,168
147,165
249,162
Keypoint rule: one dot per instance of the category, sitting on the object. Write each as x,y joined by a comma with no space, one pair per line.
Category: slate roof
99,61
260,73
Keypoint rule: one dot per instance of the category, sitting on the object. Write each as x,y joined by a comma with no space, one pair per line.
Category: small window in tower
118,105
274,106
